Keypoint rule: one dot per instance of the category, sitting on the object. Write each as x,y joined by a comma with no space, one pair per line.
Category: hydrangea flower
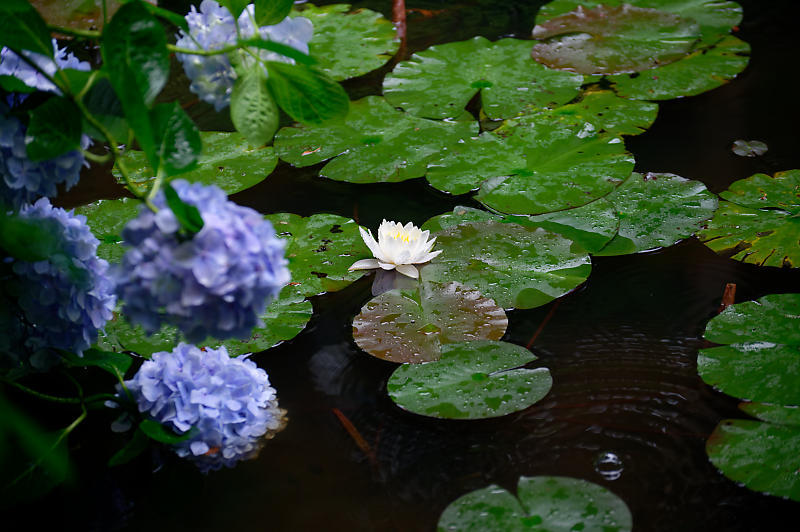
216,283
398,247
13,65
67,298
228,401
212,28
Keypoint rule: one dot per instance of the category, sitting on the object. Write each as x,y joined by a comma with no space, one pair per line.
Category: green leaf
114,363
518,267
136,446
188,215
373,143
253,111
440,81
22,28
102,102
410,326
54,129
120,335
760,221
106,219
14,84
307,95
180,145
657,210
158,432
471,380
348,43
29,240
554,504
778,414
269,12
235,6
173,18
279,48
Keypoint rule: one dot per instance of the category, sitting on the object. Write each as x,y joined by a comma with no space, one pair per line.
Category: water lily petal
369,240
386,265
409,270
428,256
364,264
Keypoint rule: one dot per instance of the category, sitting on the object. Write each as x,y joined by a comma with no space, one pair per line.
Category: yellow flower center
401,235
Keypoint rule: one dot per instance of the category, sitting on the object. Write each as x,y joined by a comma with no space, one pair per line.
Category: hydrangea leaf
759,223
306,94
320,248
106,218
613,39
761,363
657,210
518,267
778,414
23,28
227,161
440,81
348,43
555,504
763,456
471,380
410,326
373,143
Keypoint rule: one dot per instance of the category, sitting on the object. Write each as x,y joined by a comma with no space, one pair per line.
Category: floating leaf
657,210
348,44
106,219
613,39
373,143
778,414
554,504
762,362
759,223
227,161
518,267
440,81
749,148
471,380
410,326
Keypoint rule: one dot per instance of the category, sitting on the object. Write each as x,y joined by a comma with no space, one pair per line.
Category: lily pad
749,148
763,361
553,504
760,221
410,326
320,248
440,81
348,43
518,267
106,218
471,380
778,414
657,210
373,143
613,39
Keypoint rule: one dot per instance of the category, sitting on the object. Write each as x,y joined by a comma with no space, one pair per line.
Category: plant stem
40,395
99,159
74,32
191,51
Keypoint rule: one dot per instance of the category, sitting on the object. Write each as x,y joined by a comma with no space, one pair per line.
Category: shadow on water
627,409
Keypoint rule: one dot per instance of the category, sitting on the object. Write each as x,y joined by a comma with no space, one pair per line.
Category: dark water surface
627,409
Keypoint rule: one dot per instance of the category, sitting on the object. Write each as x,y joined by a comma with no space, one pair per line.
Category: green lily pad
518,267
763,361
227,161
373,143
760,221
410,326
613,39
763,456
440,81
552,504
657,210
471,380
320,248
749,148
348,43
106,219
778,414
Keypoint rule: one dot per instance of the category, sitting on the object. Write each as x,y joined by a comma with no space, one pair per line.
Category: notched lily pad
759,222
613,39
554,504
471,380
440,81
749,148
373,143
106,219
410,326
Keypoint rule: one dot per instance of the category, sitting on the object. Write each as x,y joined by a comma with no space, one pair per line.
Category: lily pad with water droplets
657,210
749,148
471,380
106,219
373,143
410,326
518,267
762,361
554,504
760,221
440,81
348,43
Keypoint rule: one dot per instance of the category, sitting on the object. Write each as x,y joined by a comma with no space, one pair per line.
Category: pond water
627,409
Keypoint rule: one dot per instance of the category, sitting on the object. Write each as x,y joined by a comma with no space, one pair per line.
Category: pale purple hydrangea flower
13,65
228,401
67,298
212,28
216,283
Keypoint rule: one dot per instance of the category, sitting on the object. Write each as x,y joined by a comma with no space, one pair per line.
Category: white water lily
398,247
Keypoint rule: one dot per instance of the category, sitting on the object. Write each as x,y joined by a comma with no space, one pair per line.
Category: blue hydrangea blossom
228,401
67,298
13,65
215,284
212,28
